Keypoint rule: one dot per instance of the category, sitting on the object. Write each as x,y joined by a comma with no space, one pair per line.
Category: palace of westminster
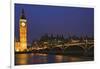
22,44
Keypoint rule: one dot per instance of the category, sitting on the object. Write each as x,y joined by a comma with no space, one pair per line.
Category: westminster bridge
77,47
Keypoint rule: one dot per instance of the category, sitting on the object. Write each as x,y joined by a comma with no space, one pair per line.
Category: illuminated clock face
23,24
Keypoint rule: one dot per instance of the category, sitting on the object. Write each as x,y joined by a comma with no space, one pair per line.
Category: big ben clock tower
23,31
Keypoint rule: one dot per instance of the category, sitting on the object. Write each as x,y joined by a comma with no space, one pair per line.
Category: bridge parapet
83,45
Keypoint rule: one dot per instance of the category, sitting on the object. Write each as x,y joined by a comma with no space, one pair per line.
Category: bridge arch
75,50
56,50
91,51
80,46
90,47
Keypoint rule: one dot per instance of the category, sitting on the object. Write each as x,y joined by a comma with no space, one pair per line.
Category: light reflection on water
23,59
58,58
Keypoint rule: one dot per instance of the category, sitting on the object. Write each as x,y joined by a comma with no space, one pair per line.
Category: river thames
37,58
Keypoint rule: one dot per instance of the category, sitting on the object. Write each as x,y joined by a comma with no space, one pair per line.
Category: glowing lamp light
17,50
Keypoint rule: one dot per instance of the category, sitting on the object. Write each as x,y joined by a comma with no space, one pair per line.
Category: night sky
55,20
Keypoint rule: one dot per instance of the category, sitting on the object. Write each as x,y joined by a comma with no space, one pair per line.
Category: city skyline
55,20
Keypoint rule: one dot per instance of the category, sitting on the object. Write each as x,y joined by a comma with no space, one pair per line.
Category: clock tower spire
23,31
23,15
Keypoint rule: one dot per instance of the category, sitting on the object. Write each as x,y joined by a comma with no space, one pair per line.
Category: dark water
24,59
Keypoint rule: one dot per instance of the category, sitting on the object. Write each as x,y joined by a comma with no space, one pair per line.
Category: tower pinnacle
23,15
